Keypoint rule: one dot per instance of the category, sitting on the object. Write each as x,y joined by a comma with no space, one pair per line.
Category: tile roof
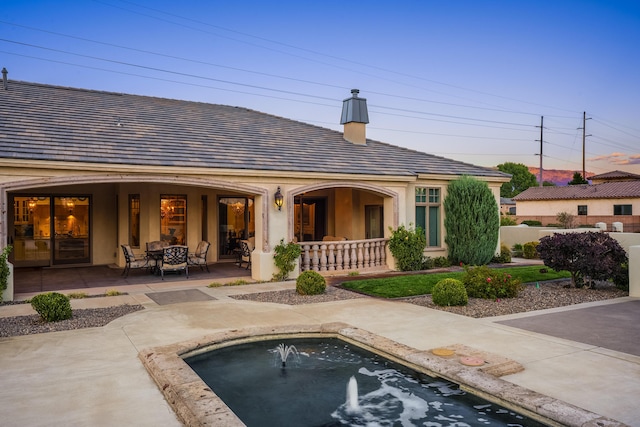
43,122
606,190
615,175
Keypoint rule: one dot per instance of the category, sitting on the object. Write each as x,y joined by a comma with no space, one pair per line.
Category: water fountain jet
284,351
352,395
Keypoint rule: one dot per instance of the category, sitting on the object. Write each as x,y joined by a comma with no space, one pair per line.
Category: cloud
617,158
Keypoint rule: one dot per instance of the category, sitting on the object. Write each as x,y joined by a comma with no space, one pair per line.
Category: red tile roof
615,175
606,190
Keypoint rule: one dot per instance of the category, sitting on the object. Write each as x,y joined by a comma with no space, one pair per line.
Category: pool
329,382
197,403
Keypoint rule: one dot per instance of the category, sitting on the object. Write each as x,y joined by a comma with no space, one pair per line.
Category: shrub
449,292
621,277
407,247
517,250
310,283
285,256
507,220
77,295
529,250
484,282
505,255
472,221
532,223
441,262
4,270
52,306
587,256
566,220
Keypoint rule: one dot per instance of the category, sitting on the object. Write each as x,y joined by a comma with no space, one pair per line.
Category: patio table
156,256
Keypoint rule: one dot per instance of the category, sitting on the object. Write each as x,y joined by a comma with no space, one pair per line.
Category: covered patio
95,279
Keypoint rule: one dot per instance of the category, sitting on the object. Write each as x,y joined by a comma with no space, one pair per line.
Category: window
622,210
134,220
428,214
582,210
173,219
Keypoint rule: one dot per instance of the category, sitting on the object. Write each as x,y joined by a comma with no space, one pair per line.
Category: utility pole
584,137
541,129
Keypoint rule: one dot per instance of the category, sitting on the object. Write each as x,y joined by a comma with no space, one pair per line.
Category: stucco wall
511,235
553,207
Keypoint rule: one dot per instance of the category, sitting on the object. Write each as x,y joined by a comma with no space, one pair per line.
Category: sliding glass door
50,230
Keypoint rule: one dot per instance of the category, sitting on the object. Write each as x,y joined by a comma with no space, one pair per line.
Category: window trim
622,209
424,196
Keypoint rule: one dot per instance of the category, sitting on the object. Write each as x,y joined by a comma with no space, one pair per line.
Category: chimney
355,118
4,78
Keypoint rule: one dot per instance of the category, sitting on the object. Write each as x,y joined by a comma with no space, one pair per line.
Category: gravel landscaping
81,318
548,295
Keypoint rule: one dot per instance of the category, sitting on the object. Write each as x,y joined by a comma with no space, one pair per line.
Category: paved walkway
93,376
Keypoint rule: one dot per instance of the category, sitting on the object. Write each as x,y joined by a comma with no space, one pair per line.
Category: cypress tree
472,221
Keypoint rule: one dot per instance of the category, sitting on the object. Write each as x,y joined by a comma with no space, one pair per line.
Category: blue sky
467,80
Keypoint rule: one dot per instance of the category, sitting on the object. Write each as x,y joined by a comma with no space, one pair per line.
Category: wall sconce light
279,198
32,204
70,205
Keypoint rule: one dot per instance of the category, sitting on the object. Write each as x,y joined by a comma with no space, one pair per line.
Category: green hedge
52,306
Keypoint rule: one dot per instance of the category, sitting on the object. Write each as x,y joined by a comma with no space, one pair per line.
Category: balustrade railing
343,255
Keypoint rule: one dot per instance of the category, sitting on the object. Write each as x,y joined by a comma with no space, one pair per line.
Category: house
614,176
84,171
614,198
507,206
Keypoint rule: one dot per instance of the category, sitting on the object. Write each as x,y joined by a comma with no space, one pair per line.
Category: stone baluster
339,258
332,260
354,257
346,256
360,255
323,257
314,260
366,255
306,259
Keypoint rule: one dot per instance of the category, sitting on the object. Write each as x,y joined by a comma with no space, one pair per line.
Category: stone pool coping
196,404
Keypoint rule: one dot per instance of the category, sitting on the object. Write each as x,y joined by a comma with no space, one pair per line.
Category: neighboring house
84,171
507,206
614,176
609,200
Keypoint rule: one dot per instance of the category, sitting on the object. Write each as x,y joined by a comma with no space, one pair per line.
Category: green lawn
421,284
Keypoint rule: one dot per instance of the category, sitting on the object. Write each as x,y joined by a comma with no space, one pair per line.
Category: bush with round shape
310,283
484,282
407,247
529,250
505,255
52,306
448,292
588,256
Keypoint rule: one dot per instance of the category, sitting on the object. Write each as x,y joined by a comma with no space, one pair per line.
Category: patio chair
132,260
174,258
199,257
246,247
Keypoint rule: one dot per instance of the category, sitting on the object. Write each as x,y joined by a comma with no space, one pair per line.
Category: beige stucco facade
109,188
599,207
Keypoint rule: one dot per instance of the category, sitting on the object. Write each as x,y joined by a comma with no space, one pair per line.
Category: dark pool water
312,389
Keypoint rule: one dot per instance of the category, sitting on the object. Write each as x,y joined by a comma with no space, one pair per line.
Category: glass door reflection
71,230
32,227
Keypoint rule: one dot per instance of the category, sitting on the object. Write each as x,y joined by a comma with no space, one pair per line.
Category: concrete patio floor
94,377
